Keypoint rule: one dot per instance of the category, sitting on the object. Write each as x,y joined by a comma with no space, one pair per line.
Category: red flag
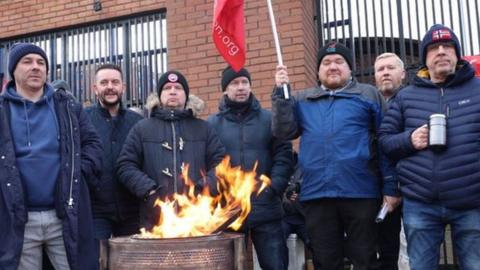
228,31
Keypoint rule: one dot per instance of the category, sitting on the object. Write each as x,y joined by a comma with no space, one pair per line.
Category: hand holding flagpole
277,45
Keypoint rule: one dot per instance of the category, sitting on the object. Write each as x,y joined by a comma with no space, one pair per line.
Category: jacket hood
463,72
20,105
171,115
12,95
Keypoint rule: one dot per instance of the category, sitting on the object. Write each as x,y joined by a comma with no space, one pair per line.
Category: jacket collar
225,109
463,72
106,113
319,92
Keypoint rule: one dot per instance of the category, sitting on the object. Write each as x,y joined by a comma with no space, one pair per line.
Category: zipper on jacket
445,110
242,143
442,107
70,193
174,145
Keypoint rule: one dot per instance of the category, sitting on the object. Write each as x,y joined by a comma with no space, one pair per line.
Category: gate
138,44
371,27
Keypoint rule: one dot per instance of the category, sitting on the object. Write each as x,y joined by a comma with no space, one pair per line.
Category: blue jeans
270,245
425,230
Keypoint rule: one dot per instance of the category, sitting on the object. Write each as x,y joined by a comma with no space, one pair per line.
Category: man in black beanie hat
176,90
345,175
50,152
245,130
157,149
440,183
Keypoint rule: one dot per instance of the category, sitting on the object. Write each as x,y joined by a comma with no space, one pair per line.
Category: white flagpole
277,44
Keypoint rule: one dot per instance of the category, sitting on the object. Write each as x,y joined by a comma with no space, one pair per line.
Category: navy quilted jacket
451,177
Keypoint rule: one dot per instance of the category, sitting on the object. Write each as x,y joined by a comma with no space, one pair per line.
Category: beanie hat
438,33
229,75
19,50
174,77
335,48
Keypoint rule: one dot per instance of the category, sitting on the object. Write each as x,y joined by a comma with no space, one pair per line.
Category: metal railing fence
138,44
371,27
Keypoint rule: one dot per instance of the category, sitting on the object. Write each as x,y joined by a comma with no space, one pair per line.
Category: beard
387,90
109,103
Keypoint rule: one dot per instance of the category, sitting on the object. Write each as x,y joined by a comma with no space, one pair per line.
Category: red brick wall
190,47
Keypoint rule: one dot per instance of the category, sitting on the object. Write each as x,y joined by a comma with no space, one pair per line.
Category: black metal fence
371,27
138,44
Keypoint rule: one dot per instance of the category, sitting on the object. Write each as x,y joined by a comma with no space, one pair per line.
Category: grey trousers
43,229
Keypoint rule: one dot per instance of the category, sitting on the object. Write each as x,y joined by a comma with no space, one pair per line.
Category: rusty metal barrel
223,251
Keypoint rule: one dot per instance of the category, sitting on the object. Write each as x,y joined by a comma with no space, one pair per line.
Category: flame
188,214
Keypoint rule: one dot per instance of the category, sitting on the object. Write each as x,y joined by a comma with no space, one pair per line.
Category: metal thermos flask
437,135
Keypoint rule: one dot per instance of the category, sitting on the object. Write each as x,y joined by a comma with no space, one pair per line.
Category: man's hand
392,202
293,197
281,76
419,137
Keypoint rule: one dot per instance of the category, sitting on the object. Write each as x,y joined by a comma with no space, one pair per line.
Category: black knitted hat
335,48
172,76
18,51
439,33
229,74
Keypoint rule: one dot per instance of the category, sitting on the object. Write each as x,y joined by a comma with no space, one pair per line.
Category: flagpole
277,44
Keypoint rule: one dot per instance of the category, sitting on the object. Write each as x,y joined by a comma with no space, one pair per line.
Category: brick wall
189,39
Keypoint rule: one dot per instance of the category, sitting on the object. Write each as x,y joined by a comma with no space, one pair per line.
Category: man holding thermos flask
432,131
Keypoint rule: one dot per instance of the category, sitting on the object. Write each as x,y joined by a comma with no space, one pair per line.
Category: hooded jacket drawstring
52,110
29,141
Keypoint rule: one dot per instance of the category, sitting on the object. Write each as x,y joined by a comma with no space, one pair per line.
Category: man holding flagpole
339,155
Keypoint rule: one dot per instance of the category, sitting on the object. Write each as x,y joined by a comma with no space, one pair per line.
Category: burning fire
203,214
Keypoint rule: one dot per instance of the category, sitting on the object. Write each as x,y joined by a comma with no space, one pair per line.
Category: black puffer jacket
248,138
158,148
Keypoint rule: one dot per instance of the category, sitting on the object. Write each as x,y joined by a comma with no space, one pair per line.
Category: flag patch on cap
441,34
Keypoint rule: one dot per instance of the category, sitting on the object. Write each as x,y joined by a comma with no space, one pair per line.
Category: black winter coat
158,148
249,139
80,156
111,199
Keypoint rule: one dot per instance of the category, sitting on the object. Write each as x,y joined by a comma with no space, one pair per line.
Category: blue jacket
80,159
111,199
339,152
248,139
452,177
